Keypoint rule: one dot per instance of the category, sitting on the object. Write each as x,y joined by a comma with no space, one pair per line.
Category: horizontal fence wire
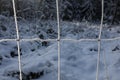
74,40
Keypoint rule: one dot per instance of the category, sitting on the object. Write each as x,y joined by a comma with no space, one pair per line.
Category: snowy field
39,59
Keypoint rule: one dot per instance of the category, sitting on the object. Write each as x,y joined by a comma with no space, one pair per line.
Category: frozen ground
39,59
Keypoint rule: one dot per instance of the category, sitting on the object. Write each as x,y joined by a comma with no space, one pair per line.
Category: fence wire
58,40
18,40
74,40
99,39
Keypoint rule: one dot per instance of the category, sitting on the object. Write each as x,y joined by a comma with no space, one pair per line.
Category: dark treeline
70,10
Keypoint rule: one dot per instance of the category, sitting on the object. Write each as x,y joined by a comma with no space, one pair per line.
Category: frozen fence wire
74,40
58,25
99,42
106,68
3,40
18,40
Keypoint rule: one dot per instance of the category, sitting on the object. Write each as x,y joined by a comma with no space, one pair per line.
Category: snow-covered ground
39,59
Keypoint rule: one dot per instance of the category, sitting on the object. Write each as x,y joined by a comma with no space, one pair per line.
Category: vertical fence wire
99,40
58,25
105,67
18,40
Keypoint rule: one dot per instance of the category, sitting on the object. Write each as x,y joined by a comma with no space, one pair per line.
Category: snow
78,59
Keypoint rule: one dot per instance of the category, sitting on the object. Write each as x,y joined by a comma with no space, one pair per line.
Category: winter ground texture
39,59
